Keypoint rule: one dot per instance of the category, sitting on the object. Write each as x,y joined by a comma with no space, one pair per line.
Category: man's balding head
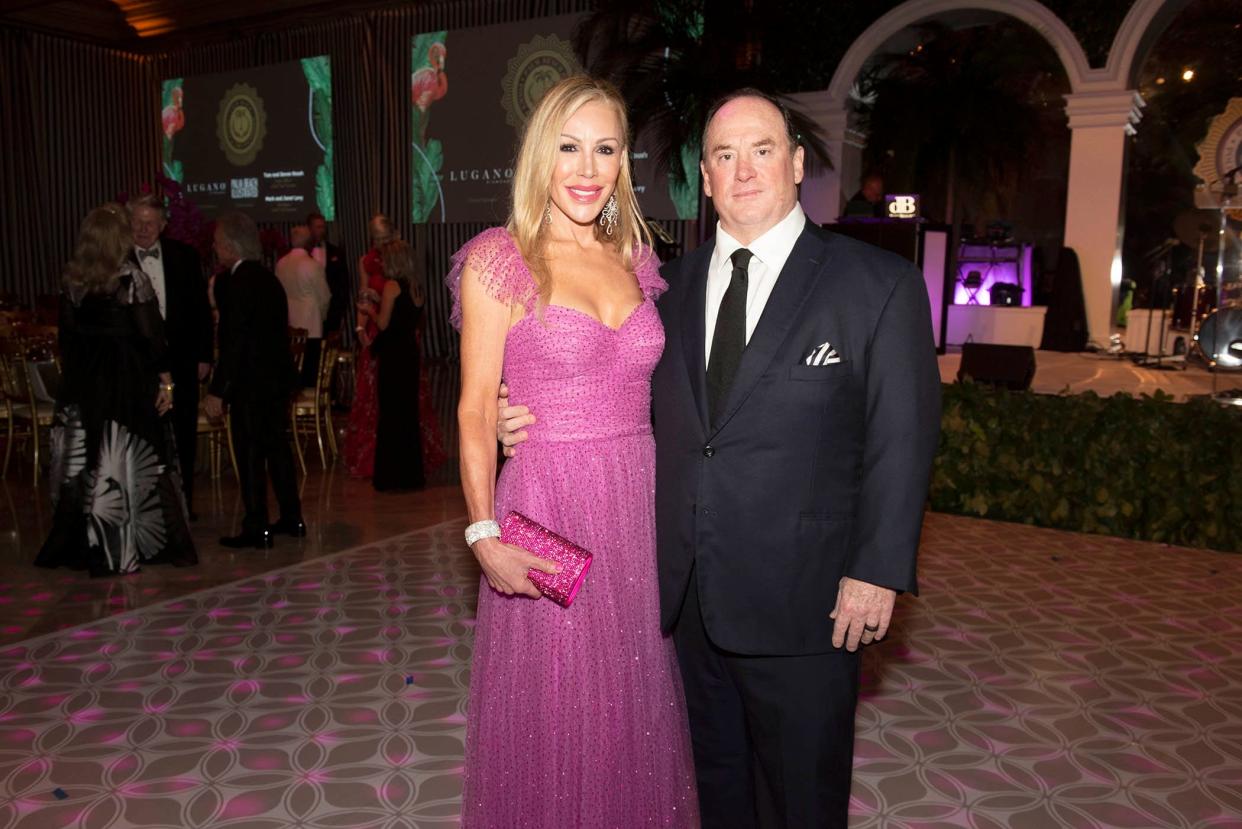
751,165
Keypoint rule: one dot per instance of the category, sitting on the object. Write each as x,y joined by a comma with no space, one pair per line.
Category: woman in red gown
363,415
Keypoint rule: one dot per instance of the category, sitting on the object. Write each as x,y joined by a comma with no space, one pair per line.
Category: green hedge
1144,467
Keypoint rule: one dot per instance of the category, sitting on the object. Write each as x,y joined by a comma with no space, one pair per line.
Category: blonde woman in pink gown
576,715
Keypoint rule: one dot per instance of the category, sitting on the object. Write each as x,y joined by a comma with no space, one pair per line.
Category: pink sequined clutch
574,561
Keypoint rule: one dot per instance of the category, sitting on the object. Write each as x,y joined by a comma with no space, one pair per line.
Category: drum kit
1213,316
1206,319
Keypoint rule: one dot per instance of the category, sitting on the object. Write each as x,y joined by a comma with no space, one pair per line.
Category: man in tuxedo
177,275
255,377
336,270
796,414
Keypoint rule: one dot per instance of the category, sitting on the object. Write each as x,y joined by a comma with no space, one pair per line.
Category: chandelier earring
547,213
609,215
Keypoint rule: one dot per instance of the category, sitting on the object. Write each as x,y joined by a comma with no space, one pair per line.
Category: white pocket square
823,355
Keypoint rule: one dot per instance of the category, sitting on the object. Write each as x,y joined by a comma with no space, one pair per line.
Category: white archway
1102,108
1142,26
1034,14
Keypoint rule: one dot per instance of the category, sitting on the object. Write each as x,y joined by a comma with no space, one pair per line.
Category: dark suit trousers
185,426
773,735
261,447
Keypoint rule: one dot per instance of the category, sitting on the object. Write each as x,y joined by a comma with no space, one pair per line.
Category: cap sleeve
647,271
495,258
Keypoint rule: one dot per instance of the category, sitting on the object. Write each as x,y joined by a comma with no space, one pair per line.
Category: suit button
709,450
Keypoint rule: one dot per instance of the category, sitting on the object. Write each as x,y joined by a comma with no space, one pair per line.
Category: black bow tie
152,253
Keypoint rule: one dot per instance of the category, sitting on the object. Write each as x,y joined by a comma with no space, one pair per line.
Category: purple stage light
1005,264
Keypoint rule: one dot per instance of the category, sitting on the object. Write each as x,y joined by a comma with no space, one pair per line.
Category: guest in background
336,270
360,431
868,202
306,290
255,378
115,484
398,438
176,276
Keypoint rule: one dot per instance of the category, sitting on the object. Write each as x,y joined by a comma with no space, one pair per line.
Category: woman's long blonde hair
536,160
104,242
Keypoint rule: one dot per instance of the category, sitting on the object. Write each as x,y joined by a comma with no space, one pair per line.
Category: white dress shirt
307,289
154,269
770,252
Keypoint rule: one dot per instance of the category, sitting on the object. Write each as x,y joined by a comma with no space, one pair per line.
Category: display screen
471,91
258,140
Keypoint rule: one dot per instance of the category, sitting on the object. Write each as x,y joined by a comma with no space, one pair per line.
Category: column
824,192
1101,124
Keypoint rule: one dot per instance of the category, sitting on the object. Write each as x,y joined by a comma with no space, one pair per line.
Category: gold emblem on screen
241,124
538,65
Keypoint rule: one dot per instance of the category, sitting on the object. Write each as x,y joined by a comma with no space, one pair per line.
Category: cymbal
1191,225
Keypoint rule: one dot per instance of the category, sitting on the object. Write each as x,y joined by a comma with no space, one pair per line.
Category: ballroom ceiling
150,25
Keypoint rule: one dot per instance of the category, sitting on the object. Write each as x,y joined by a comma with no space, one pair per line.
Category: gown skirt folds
576,715
115,483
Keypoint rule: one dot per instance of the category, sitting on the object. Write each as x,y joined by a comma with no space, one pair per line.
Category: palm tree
671,59
961,108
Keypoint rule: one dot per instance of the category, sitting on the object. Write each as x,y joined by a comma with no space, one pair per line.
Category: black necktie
729,339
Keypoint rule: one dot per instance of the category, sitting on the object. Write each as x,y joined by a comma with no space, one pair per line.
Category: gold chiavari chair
26,415
297,346
217,436
312,409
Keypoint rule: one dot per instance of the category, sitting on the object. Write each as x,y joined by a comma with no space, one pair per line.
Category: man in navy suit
796,415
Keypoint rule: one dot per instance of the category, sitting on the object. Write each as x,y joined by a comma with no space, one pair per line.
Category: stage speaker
1006,293
1010,366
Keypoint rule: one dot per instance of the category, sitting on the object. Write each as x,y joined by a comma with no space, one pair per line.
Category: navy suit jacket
811,472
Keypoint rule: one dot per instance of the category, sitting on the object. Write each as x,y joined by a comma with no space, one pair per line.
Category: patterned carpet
1044,679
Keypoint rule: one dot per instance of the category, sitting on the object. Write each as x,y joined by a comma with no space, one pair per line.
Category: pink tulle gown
576,716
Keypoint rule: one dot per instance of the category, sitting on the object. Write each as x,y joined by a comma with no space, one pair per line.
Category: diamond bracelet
480,530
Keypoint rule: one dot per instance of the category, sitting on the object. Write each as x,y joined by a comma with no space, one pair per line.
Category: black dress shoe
259,541
295,529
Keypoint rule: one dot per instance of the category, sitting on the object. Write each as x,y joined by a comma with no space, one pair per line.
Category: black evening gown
398,436
115,482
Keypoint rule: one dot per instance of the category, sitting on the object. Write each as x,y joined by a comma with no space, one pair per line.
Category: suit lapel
171,295
793,287
694,323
